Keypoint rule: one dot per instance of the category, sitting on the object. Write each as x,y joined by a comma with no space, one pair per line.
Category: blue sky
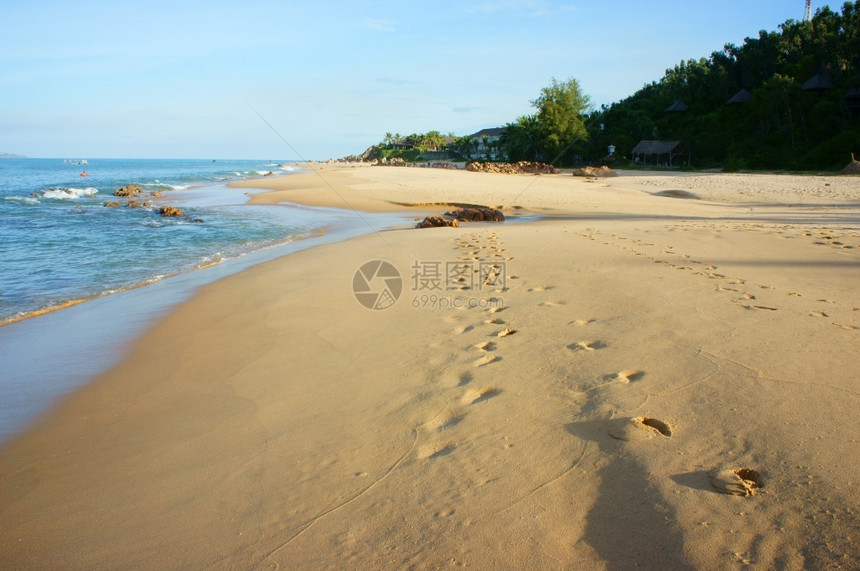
187,79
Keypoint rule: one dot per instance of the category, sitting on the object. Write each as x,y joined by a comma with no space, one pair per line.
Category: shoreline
40,191
646,344
58,347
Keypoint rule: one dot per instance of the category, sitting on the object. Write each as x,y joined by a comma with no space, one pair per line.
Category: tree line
798,104
787,99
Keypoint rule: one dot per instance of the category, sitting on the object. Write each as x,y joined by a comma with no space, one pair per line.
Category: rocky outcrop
437,221
128,191
113,203
476,215
522,167
603,171
392,162
170,211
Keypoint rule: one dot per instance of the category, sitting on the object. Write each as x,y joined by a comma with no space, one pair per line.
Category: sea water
59,243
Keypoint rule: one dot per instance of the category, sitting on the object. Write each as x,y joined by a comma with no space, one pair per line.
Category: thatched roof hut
817,83
676,107
659,153
742,96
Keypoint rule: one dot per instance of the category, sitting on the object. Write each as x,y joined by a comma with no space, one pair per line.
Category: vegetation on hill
788,99
777,124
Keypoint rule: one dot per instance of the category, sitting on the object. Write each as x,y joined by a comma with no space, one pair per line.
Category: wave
22,199
69,193
158,185
151,223
207,261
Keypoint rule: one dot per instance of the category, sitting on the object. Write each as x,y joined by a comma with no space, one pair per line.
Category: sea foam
69,193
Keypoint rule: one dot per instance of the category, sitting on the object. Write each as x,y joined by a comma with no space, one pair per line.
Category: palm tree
521,139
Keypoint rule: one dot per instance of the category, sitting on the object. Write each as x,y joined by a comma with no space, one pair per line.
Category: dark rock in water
170,211
437,221
128,191
112,203
477,215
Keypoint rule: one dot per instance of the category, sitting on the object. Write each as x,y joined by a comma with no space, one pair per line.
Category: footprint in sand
582,322
445,419
628,376
486,346
551,303
587,346
737,482
496,321
462,329
540,288
453,379
495,309
750,306
434,450
473,396
638,429
506,331
485,360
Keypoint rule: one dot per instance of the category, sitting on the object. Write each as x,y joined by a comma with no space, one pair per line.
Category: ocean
60,244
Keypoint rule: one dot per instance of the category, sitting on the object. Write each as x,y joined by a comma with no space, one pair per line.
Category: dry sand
650,351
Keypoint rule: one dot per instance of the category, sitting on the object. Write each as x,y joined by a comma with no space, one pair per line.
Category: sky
300,80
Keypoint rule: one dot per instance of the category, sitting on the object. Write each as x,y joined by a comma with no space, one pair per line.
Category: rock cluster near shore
603,171
128,191
170,211
437,222
452,218
476,215
522,167
132,190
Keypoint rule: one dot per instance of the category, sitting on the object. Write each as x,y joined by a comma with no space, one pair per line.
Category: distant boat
75,162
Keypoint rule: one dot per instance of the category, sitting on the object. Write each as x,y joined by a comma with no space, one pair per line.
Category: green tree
463,145
521,139
433,140
561,109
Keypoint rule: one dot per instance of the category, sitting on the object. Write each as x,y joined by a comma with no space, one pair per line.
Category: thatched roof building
742,96
676,107
659,153
817,83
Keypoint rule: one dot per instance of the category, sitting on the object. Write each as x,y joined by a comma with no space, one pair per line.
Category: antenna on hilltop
808,13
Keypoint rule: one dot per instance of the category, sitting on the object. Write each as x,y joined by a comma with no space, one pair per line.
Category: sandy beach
652,370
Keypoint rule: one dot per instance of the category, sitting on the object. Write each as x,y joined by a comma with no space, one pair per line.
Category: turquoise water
59,243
